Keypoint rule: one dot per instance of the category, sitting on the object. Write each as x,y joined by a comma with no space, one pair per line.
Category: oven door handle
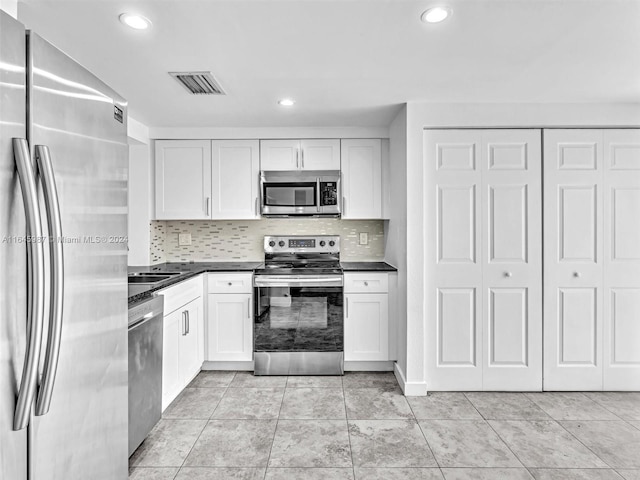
285,281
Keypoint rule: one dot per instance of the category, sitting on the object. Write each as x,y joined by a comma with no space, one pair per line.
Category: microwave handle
318,194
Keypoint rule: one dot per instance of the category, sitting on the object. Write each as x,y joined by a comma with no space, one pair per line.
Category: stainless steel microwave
300,193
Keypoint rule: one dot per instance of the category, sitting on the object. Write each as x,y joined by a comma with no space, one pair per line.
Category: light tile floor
228,425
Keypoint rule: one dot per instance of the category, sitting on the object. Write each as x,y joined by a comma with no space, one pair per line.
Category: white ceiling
347,62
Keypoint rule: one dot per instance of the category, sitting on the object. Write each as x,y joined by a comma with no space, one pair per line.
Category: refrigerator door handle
56,286
35,266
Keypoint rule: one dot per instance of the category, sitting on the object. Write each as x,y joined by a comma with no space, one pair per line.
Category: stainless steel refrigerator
63,300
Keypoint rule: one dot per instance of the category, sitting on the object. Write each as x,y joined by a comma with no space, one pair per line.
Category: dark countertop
367,267
138,292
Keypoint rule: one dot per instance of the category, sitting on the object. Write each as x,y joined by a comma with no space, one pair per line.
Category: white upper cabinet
320,154
204,179
282,155
361,179
234,167
183,179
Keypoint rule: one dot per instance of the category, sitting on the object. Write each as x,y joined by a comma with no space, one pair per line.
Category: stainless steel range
299,322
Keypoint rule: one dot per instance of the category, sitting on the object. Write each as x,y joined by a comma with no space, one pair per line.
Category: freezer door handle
35,265
56,284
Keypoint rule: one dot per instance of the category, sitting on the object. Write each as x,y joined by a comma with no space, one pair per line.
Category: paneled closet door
573,260
484,262
512,260
621,336
453,259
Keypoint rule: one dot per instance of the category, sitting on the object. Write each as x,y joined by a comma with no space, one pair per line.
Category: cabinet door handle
188,323
346,307
302,157
256,207
206,206
184,323
248,308
366,284
344,206
508,274
576,274
297,155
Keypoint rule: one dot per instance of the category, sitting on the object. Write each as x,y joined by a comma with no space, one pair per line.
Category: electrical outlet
184,239
364,238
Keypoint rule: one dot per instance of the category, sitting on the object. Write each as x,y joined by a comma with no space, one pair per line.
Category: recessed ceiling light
436,14
286,102
135,21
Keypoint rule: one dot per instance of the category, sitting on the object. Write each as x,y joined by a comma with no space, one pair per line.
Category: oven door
298,325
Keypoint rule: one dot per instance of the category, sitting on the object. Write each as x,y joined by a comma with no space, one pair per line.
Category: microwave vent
199,83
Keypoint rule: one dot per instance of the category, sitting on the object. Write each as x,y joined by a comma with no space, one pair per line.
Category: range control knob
281,243
322,243
332,243
272,243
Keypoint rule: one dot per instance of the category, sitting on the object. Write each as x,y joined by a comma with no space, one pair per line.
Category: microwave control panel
328,193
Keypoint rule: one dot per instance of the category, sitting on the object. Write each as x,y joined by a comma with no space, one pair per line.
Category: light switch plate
184,239
364,238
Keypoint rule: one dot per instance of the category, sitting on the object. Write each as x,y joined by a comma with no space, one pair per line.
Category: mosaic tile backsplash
225,240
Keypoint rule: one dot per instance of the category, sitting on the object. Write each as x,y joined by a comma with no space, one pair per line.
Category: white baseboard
368,366
413,389
241,366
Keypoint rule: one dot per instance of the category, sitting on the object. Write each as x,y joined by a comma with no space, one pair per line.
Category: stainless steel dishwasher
145,368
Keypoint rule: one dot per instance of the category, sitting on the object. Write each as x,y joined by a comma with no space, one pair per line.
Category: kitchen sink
150,277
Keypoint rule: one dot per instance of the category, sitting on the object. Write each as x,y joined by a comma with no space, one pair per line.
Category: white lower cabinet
366,327
230,318
183,339
366,317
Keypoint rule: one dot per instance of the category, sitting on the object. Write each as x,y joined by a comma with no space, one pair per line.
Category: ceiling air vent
199,83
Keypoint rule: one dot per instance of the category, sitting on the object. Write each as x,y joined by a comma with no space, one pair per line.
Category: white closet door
512,260
453,296
573,260
621,336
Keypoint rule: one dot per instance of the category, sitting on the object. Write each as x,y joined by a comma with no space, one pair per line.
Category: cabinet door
172,382
366,327
320,154
183,179
361,179
279,154
230,332
235,166
189,340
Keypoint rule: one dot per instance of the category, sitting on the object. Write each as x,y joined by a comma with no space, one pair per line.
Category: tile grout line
275,430
581,442
424,436
346,418
205,425
498,435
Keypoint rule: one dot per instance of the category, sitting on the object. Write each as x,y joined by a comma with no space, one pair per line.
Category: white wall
139,193
396,234
10,6
420,116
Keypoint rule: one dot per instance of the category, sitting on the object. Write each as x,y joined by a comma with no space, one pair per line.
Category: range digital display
302,243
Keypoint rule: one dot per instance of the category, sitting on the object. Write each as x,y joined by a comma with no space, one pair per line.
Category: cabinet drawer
180,294
366,282
229,283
